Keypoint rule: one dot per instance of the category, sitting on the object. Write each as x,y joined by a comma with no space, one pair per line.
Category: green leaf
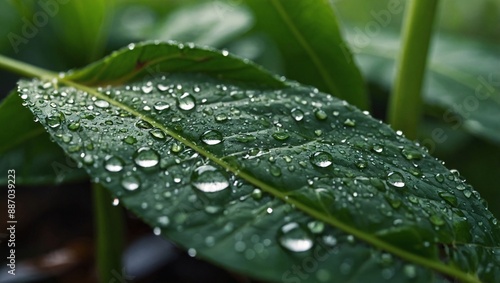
82,26
308,35
286,180
462,79
216,23
26,148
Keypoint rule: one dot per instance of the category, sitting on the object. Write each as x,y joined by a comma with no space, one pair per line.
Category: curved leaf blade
308,35
244,175
145,59
26,147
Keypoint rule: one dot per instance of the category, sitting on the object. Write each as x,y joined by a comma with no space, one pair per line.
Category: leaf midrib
435,265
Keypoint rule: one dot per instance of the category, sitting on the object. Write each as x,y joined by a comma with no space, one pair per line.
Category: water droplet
209,179
147,88
350,122
146,157
316,227
53,121
281,136
141,124
221,117
293,237
396,179
436,220
297,114
163,221
186,102
176,147
157,231
74,126
321,159
377,148
449,198
211,137
101,103
130,182
113,164
329,240
157,134
192,252
410,271
88,159
412,154
130,140
161,105
320,114
275,171
467,193
115,202
439,177
256,194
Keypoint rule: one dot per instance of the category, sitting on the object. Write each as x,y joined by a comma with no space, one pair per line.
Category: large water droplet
377,148
130,182
211,137
157,134
161,105
281,136
293,237
320,114
395,179
113,164
209,179
297,114
74,126
186,102
350,122
411,154
53,121
101,103
141,124
146,157
321,159
439,177
449,198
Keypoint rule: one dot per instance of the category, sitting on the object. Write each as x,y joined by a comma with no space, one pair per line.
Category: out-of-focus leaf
26,148
266,175
213,24
81,27
308,36
463,78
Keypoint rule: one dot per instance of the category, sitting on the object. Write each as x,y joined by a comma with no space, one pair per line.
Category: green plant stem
406,101
24,69
108,221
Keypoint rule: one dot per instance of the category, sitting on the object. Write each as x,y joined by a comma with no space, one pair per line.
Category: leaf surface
26,147
269,178
308,36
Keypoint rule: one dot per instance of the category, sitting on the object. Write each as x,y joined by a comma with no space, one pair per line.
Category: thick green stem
109,234
406,101
24,69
